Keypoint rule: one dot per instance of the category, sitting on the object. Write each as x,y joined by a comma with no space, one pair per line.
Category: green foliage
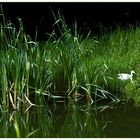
34,73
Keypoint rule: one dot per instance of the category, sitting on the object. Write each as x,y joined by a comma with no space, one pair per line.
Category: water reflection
72,120
123,121
78,122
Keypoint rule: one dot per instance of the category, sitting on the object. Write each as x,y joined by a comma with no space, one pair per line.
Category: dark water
73,120
124,121
119,121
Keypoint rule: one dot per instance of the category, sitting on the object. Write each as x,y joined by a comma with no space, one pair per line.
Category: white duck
125,76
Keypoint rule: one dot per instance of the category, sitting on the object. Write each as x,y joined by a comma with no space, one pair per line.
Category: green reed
33,70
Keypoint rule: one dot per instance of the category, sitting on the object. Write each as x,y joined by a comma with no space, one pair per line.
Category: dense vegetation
67,66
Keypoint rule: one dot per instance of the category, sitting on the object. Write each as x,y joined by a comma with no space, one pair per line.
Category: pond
119,121
73,120
123,121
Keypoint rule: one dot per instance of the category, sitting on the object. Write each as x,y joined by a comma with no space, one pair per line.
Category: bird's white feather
125,76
